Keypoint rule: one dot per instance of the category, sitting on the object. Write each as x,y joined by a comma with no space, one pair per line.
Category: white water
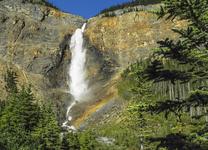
78,83
78,86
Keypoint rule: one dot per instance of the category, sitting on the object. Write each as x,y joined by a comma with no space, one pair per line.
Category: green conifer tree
11,81
70,141
183,61
47,133
190,50
18,119
23,124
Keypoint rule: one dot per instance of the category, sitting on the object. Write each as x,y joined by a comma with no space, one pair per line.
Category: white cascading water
78,86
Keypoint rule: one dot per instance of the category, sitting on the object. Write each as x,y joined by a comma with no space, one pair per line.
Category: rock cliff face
122,40
130,36
34,41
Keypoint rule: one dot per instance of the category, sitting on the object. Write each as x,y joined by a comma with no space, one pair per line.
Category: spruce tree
23,123
47,133
11,81
18,119
70,141
176,63
191,50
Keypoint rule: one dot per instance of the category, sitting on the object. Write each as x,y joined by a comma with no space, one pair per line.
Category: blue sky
85,8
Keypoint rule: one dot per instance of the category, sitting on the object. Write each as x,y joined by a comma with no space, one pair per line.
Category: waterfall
78,86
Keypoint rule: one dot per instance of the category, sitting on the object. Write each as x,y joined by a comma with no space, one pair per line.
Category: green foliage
87,140
18,119
137,89
122,137
190,49
25,125
11,81
84,140
2,105
140,92
134,84
154,118
176,141
70,141
47,132
175,65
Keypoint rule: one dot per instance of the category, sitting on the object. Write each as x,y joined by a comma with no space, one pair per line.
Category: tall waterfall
78,86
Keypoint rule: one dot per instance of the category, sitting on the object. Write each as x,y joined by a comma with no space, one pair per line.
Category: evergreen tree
87,140
2,105
190,50
71,141
47,133
23,124
177,62
11,81
18,119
